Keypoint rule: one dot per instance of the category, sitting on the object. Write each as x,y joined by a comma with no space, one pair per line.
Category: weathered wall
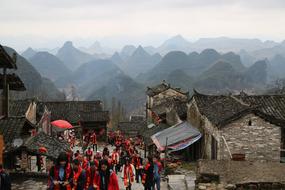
260,141
205,127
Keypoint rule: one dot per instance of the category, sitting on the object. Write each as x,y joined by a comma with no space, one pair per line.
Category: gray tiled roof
53,145
221,109
12,128
152,91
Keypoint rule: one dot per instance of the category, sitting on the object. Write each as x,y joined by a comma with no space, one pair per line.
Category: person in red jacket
94,141
137,162
128,174
79,176
93,177
108,178
61,174
89,154
115,159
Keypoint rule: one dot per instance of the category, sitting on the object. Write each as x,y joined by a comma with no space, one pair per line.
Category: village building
88,116
158,98
131,128
15,130
166,107
249,127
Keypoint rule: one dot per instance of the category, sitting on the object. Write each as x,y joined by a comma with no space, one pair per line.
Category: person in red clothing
128,174
115,159
108,178
61,174
79,176
89,154
94,141
137,161
83,162
93,177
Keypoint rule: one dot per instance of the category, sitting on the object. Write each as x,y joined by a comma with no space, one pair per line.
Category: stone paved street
36,184
40,184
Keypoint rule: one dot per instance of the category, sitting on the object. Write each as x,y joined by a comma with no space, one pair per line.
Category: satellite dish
150,125
17,142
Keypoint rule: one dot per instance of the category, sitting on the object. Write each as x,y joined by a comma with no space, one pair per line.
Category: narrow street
40,184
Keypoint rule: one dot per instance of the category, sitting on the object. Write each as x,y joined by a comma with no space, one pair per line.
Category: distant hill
276,67
127,51
176,43
116,58
130,93
223,77
139,62
90,76
225,44
193,64
270,52
49,65
72,57
257,73
28,53
36,85
220,77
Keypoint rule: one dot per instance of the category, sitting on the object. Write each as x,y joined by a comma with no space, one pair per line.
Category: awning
178,137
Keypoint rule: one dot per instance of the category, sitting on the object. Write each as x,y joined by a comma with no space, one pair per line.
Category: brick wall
258,141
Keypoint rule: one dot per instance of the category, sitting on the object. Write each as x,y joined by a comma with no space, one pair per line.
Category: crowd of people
94,170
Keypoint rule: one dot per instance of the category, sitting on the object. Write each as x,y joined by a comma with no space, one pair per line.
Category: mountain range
73,57
36,85
49,65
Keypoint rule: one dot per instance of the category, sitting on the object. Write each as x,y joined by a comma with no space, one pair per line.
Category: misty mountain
193,64
36,85
220,77
127,51
257,73
130,93
181,79
176,43
150,49
246,59
276,67
116,58
139,62
72,57
28,53
225,44
269,53
49,66
90,76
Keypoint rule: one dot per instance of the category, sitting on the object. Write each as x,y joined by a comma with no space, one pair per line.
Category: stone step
177,182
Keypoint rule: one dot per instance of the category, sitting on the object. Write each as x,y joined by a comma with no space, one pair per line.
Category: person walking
61,174
108,178
115,160
157,168
137,161
79,176
128,174
148,178
93,177
5,181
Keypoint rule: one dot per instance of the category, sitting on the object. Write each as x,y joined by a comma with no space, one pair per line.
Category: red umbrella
62,124
42,150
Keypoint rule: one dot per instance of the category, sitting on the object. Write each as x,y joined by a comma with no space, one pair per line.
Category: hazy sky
50,22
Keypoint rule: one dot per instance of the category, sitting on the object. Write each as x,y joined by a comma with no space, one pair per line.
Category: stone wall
259,140
205,127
